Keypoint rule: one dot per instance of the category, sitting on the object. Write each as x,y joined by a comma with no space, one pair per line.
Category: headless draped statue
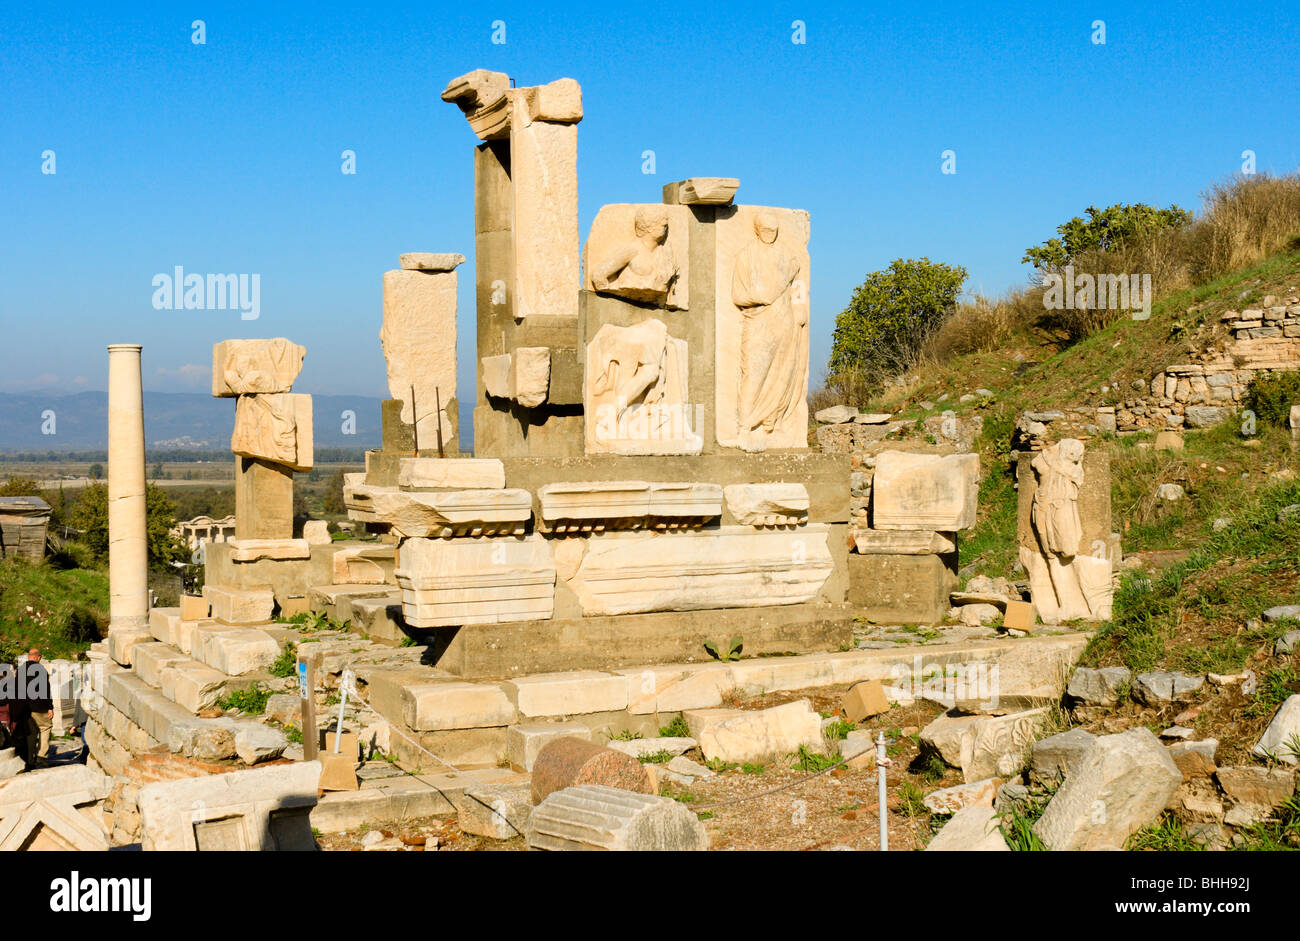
774,335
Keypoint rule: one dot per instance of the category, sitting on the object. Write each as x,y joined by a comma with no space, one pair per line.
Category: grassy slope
67,608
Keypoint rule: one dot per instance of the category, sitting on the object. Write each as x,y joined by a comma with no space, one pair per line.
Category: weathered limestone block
275,427
240,605
635,394
263,500
239,650
259,809
475,581
985,746
593,817
464,473
54,809
761,309
588,506
701,191
430,261
192,685
357,565
440,513
640,253
430,707
523,376
674,687
316,533
728,567
1098,687
754,735
768,504
149,661
122,643
1055,756
950,800
901,589
903,542
497,811
971,829
1282,737
526,740
256,742
419,341
250,550
568,762
573,693
255,367
482,96
925,491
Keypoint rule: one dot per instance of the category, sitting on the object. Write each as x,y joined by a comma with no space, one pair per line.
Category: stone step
404,798
232,605
327,599
233,650
166,721
379,618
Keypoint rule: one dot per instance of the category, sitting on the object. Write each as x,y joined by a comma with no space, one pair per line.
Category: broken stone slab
54,809
984,746
1261,787
760,734
1154,689
727,566
256,367
526,740
675,687
903,542
566,762
1119,786
121,643
971,829
644,747
316,533
925,491
872,418
152,659
418,337
251,550
443,513
260,809
587,506
595,817
496,811
192,685
1281,612
571,693
1053,757
463,473
950,800
1281,740
1098,687
684,766
701,191
430,261
776,504
975,615
836,414
256,742
285,708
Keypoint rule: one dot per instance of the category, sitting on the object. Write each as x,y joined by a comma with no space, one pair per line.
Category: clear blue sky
225,157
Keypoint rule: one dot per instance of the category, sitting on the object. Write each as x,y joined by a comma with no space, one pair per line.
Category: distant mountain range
171,420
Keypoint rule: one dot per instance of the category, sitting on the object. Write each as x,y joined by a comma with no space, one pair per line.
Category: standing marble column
128,545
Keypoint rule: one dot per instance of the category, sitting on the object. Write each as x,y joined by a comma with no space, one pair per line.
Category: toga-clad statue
774,335
1064,584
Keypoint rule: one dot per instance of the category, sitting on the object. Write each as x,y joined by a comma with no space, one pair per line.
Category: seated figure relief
642,268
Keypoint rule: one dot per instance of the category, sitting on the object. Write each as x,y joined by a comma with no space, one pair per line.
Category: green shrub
889,318
1106,230
251,701
1270,396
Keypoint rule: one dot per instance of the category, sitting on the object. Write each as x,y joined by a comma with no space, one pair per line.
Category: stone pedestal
263,500
128,545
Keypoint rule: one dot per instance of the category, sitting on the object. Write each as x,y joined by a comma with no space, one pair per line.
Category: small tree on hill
90,515
889,318
1105,230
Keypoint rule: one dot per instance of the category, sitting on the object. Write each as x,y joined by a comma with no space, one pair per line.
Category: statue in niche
266,427
1064,584
643,268
774,334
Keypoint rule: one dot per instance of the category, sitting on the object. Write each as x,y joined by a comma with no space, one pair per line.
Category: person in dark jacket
13,712
40,708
